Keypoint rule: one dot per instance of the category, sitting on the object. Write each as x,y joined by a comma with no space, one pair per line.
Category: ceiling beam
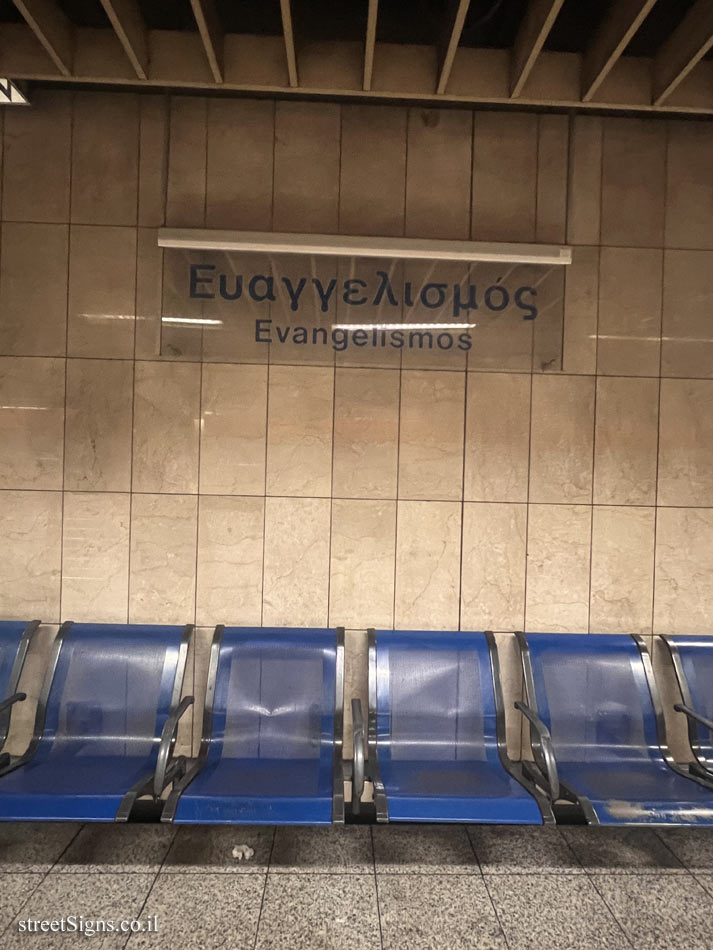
453,28
129,26
52,29
613,35
685,47
534,29
289,34
212,34
370,43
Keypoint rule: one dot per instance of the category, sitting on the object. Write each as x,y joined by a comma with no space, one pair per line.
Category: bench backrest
592,692
11,632
434,696
275,695
113,688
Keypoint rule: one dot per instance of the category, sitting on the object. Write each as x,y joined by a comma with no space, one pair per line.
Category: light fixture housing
341,245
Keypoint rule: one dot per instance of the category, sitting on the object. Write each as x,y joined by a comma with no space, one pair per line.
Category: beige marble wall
147,475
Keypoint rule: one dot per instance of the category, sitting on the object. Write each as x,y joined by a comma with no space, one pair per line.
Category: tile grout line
376,886
660,392
66,357
592,880
153,883
264,889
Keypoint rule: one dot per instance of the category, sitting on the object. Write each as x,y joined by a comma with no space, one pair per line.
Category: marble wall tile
633,182
166,424
581,306
153,132
562,436
687,338
241,142
33,299
100,399
504,176
558,554
438,175
31,529
233,429
31,422
683,602
36,159
162,573
493,566
629,342
307,151
366,427
686,443
362,562
552,163
689,186
230,549
622,570
372,180
427,565
585,180
299,430
497,437
626,441
105,158
186,186
431,435
296,579
149,292
95,557
102,292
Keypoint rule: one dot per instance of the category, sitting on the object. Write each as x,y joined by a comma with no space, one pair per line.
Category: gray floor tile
319,912
672,910
15,889
33,846
326,850
623,850
420,912
553,912
117,849
203,849
209,911
511,850
93,897
423,849
692,846
705,880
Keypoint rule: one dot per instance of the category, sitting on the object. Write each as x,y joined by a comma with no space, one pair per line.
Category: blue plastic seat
108,692
15,636
693,662
597,696
271,751
436,732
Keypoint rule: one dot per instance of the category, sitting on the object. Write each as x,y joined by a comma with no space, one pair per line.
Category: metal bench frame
701,767
182,781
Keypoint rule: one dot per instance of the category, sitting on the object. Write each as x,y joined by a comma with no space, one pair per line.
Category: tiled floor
361,888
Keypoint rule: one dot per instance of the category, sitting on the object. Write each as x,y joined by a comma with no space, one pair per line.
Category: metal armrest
166,747
548,753
15,698
358,746
692,714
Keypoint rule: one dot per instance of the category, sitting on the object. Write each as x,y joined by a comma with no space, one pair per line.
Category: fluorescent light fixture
340,245
193,321
404,326
12,94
